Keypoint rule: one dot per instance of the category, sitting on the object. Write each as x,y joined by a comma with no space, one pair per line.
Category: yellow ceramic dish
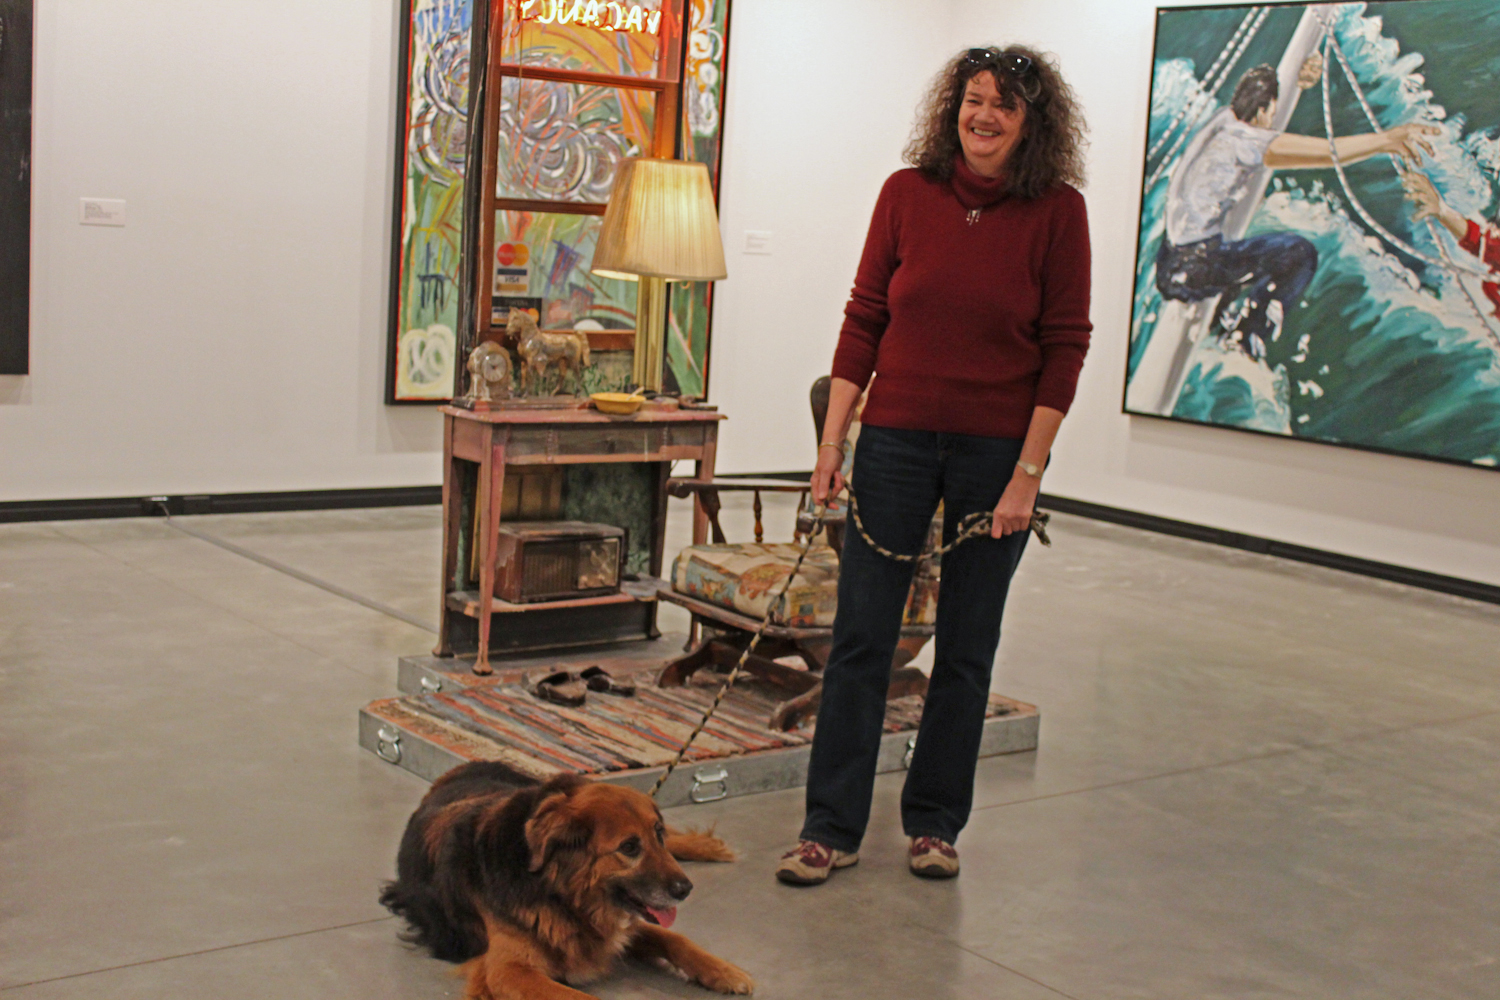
616,402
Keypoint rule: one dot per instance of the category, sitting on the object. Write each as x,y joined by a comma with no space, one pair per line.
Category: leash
734,674
973,526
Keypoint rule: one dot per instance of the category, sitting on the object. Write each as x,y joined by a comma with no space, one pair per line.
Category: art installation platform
449,716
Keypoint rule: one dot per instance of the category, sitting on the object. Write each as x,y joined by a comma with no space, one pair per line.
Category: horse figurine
539,351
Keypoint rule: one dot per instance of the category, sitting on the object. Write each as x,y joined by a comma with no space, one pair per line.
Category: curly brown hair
1050,152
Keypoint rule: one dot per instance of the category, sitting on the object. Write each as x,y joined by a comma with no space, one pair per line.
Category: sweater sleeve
1063,328
868,311
1483,242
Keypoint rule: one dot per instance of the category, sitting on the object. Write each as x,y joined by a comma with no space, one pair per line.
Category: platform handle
388,737
705,778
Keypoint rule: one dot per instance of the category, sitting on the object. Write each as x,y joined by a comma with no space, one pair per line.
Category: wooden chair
721,630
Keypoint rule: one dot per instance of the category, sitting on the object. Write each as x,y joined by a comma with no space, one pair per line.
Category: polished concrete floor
1256,779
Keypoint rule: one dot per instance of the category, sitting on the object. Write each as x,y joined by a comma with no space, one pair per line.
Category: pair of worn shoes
563,688
810,863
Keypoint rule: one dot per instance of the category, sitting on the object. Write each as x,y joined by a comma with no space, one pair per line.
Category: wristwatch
1033,471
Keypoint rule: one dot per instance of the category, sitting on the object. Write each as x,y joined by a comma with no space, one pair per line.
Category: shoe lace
926,845
812,853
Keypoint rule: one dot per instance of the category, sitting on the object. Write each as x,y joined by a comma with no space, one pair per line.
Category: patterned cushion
745,578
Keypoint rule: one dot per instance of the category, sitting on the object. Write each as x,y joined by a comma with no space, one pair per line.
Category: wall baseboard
1472,589
219,503
409,496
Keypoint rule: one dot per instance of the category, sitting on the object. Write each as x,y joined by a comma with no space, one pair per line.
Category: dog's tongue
664,917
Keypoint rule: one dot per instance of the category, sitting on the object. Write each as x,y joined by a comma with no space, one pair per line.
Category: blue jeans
1275,267
899,477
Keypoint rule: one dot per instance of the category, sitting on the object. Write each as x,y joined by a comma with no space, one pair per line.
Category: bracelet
829,444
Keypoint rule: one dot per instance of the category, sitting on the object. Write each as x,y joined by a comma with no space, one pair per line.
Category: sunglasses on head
1014,63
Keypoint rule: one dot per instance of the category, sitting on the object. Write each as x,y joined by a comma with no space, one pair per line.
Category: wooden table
477,449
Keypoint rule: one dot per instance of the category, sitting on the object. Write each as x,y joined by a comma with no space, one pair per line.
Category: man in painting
1478,238
1217,172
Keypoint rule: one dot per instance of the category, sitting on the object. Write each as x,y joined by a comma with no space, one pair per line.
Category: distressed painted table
609,469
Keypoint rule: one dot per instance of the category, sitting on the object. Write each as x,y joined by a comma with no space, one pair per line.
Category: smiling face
991,124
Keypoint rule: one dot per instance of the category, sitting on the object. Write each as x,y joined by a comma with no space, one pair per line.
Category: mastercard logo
507,254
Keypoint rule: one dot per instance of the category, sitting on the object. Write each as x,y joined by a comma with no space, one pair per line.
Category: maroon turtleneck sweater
968,321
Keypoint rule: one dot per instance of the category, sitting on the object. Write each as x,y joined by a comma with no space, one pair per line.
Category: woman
971,306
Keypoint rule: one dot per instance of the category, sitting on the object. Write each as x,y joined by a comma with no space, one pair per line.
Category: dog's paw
726,978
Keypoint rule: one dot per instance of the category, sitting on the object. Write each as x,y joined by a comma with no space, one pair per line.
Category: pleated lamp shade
660,223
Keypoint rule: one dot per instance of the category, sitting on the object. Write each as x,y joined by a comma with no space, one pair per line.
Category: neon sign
610,16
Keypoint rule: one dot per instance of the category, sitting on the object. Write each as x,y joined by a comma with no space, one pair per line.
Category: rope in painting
1192,113
1186,121
1189,108
1446,262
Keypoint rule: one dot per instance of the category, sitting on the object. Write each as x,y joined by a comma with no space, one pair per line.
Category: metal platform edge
701,781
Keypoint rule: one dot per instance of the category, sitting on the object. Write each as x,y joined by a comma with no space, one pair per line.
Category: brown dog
533,886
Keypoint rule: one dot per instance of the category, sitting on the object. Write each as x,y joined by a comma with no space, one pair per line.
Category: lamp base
650,333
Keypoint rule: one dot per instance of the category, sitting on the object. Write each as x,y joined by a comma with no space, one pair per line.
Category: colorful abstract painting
430,195
1318,254
564,142
689,320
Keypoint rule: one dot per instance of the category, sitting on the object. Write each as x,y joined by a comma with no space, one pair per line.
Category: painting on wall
429,198
559,142
1319,253
562,141
15,186
688,319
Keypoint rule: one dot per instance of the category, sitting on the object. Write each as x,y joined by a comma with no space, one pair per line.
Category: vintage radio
553,560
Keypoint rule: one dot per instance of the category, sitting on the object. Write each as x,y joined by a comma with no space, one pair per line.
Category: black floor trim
409,496
1472,589
219,503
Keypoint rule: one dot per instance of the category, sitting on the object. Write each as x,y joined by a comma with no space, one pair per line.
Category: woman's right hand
828,474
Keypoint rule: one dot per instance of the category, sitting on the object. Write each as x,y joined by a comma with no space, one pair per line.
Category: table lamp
660,226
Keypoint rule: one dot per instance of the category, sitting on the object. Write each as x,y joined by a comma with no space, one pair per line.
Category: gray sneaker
810,863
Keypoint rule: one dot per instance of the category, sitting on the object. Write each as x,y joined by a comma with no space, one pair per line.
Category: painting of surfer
1195,261
1309,262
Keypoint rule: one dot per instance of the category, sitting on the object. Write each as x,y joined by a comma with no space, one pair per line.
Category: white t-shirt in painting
1214,175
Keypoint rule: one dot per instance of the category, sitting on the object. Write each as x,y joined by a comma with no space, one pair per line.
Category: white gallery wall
231,337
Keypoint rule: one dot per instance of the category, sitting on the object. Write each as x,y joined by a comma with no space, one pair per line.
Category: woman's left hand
1013,512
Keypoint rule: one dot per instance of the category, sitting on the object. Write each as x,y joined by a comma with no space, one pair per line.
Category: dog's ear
554,826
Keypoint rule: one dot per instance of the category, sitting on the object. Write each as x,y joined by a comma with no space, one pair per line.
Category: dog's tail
428,924
698,845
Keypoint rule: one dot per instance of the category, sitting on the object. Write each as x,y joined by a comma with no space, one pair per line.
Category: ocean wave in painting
1384,350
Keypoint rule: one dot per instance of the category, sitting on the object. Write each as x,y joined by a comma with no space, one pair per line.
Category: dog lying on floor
533,886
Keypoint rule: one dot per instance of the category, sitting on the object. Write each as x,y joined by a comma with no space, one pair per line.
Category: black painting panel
15,185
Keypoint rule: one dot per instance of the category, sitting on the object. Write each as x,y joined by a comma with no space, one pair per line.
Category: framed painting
1318,255
15,186
573,95
431,150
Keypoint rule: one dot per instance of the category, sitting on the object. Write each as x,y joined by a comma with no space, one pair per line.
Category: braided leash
975,525
745,656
